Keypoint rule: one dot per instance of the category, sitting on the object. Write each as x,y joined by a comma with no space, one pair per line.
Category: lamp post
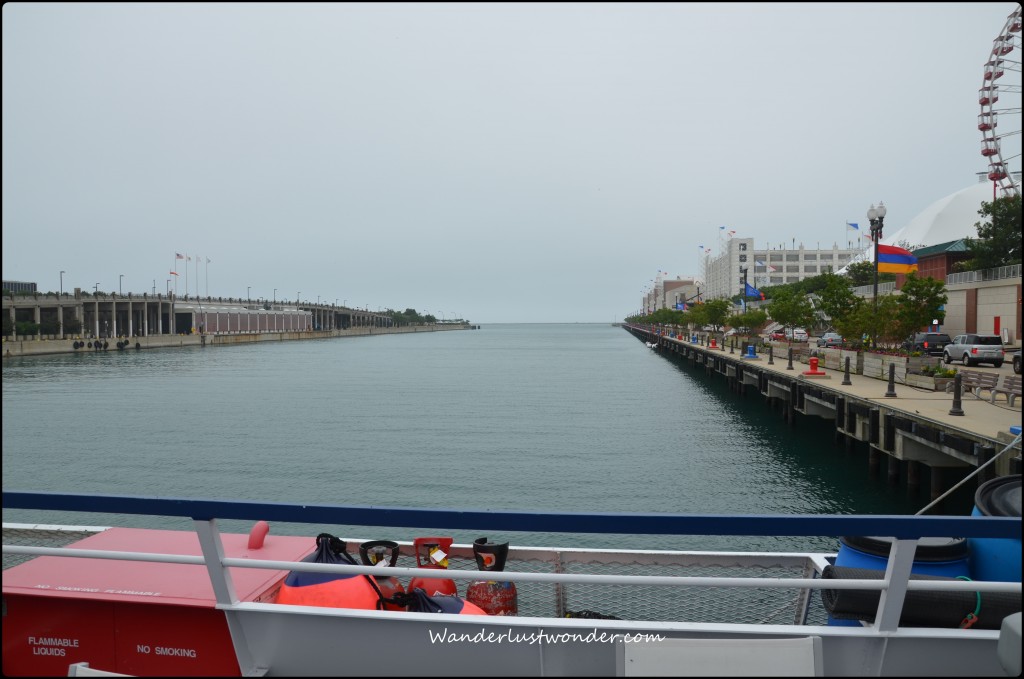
876,215
275,295
120,279
61,283
248,292
168,287
96,289
298,295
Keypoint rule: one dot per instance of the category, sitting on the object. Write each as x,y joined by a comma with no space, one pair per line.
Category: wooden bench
975,381
1010,388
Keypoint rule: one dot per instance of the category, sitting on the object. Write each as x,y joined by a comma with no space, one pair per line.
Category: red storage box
140,618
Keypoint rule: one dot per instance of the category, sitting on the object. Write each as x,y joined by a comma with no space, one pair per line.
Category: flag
207,260
853,226
178,255
701,247
892,259
771,269
731,234
174,273
707,250
722,228
751,291
758,262
189,258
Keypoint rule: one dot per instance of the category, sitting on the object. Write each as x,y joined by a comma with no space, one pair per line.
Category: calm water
538,417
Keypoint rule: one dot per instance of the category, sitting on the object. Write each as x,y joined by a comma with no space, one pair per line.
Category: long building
723,274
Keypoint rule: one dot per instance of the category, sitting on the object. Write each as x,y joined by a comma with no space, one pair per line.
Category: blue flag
851,225
751,291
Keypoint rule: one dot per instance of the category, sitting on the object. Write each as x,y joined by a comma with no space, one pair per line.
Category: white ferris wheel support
1002,147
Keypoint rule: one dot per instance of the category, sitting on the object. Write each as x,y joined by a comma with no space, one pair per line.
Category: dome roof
947,219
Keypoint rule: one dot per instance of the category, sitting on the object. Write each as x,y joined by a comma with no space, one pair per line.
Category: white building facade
723,274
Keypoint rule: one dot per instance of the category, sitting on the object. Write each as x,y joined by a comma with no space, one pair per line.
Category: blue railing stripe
904,527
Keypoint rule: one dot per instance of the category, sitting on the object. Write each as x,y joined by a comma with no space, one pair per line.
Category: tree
791,309
920,303
863,273
717,310
998,242
836,298
751,320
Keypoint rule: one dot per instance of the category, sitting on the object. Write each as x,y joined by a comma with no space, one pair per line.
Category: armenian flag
892,259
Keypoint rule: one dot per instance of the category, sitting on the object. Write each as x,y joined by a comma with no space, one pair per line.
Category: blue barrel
946,557
994,559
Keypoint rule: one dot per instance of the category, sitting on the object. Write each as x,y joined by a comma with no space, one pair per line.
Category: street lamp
168,287
62,283
96,290
298,296
275,295
248,292
120,279
876,215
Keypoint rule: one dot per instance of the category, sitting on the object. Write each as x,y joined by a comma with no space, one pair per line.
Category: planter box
928,382
835,359
877,365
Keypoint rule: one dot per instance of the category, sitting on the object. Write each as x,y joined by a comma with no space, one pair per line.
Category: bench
975,381
1010,388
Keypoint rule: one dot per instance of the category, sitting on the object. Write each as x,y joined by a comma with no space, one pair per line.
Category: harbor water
573,417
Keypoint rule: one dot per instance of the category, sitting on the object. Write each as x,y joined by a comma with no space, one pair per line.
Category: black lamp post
876,215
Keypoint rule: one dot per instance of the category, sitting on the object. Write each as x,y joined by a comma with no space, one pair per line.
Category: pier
105,322
906,427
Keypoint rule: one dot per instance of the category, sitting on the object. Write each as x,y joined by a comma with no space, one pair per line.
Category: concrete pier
909,429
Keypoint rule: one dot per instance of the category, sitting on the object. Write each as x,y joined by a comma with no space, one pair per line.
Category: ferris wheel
1000,97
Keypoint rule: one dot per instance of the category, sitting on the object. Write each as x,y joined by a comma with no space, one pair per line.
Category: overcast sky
495,162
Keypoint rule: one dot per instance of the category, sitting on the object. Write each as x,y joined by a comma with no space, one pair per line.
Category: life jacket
332,590
418,601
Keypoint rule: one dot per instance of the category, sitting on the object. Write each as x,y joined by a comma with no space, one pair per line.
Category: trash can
947,557
994,559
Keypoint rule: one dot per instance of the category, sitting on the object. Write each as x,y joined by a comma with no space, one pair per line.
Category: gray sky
496,162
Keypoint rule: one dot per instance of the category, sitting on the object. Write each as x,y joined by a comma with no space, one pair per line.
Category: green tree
999,239
863,273
920,303
835,297
717,310
791,309
750,321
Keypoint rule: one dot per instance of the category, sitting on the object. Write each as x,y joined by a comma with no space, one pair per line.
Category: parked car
830,339
931,343
796,334
778,335
1016,361
972,349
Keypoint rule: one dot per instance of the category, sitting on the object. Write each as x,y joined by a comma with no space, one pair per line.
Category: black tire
1016,364
946,359
967,361
998,364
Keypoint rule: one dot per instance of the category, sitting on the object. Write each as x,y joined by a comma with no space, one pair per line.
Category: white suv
972,349
796,334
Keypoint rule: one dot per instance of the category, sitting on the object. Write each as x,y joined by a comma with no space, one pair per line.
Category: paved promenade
980,415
